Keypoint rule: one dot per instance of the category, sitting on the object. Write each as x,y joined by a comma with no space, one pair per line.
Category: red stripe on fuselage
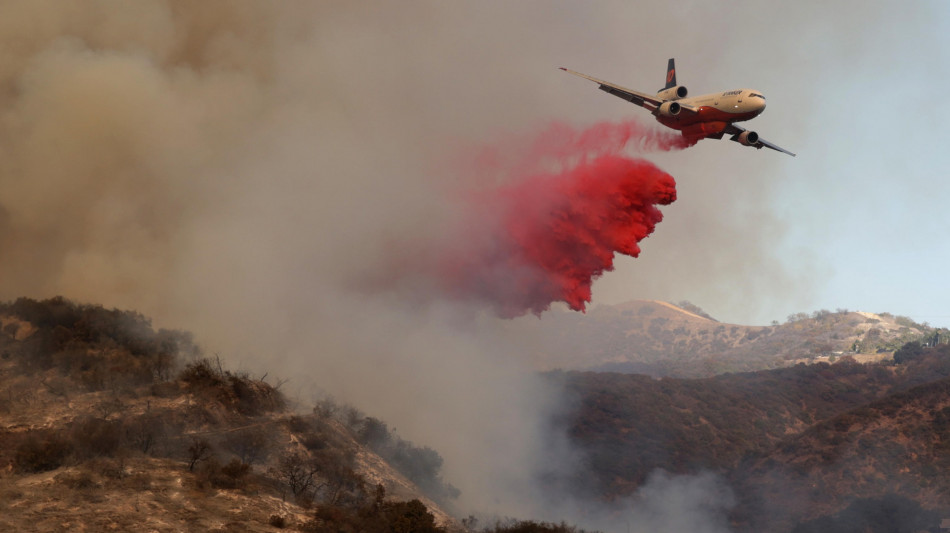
706,121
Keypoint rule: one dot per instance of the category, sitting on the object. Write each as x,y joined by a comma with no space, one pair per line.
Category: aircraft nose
755,101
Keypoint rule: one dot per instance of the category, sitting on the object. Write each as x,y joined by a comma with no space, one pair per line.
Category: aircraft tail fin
670,75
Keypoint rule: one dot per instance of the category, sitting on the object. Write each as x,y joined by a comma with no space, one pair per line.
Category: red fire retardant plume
545,236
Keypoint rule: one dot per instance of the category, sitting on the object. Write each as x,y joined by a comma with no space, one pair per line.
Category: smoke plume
547,237
237,168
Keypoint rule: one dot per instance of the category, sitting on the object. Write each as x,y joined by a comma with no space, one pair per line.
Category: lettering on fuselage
732,93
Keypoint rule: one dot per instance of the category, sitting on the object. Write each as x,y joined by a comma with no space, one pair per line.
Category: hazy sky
856,89
856,220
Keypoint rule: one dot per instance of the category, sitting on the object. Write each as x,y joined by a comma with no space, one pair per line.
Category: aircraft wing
736,130
636,97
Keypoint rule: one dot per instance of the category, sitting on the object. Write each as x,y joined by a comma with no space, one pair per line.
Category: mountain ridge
665,339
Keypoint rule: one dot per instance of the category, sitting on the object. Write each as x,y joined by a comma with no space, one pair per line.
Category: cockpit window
756,95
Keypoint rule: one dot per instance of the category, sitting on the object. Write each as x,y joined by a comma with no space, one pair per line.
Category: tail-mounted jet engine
673,93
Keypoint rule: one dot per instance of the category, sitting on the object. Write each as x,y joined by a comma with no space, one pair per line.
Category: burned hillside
117,424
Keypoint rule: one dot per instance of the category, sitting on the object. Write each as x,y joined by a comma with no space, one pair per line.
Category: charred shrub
314,441
41,451
392,517
144,432
298,424
10,330
95,437
237,392
77,480
251,445
530,526
234,474
137,481
252,397
411,516
314,432
230,476
165,389
35,354
202,374
208,473
108,468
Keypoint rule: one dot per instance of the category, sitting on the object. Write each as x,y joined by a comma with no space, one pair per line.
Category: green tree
907,352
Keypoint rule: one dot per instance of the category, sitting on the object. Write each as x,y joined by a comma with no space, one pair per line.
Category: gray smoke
673,503
173,157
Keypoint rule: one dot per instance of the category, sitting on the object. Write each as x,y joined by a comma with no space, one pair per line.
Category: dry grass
151,495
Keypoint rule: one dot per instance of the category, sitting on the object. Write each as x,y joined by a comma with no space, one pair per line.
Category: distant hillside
896,446
810,439
662,339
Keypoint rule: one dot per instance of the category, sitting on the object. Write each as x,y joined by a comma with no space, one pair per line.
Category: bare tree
298,472
340,481
199,450
109,407
144,431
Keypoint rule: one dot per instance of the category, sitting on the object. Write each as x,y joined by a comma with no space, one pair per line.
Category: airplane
709,116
